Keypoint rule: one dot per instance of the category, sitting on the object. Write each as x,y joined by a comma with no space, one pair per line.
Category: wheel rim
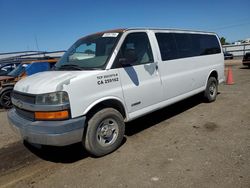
212,89
107,132
6,100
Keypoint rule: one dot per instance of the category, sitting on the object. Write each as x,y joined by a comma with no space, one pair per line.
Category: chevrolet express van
112,77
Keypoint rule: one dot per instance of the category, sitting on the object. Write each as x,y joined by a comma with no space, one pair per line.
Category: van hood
50,81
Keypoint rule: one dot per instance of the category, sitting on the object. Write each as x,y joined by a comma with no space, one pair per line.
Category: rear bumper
246,63
55,133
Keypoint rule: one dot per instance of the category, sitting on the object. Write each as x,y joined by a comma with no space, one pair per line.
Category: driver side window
135,50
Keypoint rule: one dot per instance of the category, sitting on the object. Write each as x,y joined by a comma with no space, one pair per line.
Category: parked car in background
5,68
228,55
246,59
24,69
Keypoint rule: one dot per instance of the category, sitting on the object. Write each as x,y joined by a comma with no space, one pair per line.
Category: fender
214,70
105,99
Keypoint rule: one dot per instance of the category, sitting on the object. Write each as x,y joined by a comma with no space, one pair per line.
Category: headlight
60,97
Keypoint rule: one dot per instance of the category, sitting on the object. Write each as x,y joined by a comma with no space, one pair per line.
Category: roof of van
167,29
121,30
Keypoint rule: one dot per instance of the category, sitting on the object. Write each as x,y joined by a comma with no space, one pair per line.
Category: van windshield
91,52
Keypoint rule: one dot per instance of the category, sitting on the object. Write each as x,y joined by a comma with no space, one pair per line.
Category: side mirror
129,58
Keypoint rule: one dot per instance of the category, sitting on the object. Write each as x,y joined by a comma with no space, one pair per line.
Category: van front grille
24,97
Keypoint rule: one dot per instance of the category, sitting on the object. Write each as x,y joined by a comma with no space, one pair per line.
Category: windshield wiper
70,67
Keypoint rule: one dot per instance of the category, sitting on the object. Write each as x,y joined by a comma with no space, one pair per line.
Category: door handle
156,67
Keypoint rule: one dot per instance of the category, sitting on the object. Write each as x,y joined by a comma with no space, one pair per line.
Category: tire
211,89
5,99
105,132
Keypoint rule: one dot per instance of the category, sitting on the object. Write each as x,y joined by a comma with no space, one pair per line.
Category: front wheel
211,89
105,132
5,99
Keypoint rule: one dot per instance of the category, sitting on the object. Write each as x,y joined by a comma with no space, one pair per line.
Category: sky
50,25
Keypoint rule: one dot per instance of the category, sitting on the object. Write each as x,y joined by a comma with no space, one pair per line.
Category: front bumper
55,133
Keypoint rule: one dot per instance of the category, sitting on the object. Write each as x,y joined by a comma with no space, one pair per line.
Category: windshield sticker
107,79
110,34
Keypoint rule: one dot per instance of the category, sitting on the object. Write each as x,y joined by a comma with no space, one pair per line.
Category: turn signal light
52,115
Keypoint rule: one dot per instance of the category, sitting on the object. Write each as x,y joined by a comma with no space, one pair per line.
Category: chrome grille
24,97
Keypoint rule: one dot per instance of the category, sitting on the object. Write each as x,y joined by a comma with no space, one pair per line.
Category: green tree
223,40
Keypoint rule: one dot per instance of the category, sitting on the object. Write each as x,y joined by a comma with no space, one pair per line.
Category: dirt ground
188,144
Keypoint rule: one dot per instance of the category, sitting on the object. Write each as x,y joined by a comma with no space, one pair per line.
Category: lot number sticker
110,34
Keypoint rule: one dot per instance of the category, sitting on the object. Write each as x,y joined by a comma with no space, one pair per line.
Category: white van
112,77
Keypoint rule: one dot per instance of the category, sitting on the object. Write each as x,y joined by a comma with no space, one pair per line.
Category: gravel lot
188,144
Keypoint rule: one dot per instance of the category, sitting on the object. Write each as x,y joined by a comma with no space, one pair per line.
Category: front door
139,75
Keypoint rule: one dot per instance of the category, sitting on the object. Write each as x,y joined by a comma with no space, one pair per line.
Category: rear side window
209,45
182,45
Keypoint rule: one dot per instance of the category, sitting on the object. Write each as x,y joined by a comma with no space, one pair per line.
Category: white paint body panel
81,87
153,86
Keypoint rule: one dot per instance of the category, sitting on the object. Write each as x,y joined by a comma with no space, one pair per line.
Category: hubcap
212,89
107,132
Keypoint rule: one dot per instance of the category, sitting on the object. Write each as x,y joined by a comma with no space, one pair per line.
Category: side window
184,45
190,45
209,45
167,46
135,48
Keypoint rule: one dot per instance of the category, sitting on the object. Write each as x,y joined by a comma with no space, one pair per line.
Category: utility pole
36,43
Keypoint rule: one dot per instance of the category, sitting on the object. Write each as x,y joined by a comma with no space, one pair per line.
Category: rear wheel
105,132
5,99
211,89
